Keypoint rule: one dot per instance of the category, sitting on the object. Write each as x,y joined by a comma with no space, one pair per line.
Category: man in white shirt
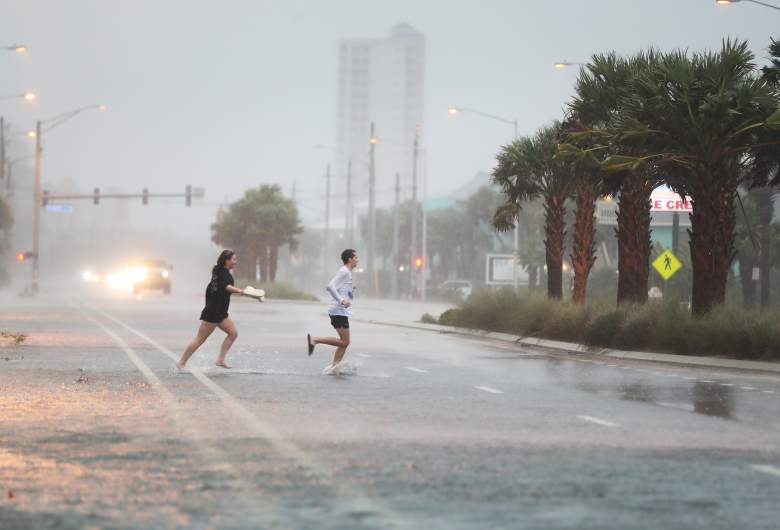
341,292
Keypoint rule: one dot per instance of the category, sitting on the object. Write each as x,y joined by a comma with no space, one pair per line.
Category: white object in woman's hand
346,303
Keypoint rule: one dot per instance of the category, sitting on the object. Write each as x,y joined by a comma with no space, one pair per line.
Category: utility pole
326,240
413,253
348,206
371,265
396,222
424,226
2,151
36,209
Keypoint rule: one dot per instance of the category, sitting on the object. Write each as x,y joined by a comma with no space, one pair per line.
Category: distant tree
256,226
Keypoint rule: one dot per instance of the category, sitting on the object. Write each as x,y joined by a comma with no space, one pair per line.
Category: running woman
340,309
215,314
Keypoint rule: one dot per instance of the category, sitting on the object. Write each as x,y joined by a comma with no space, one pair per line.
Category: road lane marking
726,384
769,470
707,381
273,436
768,391
364,355
418,370
598,421
213,455
692,378
488,389
747,388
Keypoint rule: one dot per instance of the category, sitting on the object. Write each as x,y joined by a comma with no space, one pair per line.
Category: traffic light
418,263
145,196
44,198
96,196
21,257
188,195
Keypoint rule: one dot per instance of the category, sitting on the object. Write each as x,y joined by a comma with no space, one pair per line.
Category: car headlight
165,274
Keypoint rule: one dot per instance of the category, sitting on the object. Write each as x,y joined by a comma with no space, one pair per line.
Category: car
150,275
459,289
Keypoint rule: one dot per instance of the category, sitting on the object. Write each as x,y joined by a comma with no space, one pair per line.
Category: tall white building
380,81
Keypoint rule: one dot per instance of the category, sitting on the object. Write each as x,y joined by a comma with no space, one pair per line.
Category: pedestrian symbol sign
667,264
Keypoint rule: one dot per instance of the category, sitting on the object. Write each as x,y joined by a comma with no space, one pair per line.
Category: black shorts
339,321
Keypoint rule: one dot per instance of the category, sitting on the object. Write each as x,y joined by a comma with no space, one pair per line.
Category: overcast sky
229,94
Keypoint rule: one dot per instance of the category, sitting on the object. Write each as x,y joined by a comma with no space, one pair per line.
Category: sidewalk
581,349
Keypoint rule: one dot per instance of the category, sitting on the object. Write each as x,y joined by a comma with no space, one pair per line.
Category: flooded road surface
424,430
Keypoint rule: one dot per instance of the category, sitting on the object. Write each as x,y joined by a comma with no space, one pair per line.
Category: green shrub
661,327
428,318
601,331
451,317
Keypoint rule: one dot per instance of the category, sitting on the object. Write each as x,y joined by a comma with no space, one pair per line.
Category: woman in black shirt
215,314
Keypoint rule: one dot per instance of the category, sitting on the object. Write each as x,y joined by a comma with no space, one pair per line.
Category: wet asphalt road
428,431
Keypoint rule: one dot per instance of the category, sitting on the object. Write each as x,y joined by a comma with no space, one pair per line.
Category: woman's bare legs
205,329
228,327
341,344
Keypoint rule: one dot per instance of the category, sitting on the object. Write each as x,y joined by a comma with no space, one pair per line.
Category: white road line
488,389
272,435
364,355
418,370
598,421
692,378
768,391
213,455
726,384
611,365
707,381
769,470
747,388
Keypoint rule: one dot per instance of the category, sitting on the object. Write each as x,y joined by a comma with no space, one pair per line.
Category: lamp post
27,96
371,265
515,254
18,48
727,2
50,123
562,65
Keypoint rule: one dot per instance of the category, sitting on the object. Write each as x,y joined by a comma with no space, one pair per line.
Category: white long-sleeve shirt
340,288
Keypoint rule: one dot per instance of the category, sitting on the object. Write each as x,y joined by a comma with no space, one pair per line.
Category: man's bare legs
205,329
228,327
341,344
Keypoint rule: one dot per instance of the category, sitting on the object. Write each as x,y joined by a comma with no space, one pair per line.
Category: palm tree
700,113
601,85
527,169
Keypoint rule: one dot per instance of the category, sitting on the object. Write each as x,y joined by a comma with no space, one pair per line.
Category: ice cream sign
663,199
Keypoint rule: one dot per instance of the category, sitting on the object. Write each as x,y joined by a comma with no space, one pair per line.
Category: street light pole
516,251
54,122
727,2
36,208
371,213
348,212
326,239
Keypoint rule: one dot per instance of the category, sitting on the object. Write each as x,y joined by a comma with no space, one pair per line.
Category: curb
574,348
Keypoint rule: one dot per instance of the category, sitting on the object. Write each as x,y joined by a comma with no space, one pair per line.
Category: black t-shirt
217,296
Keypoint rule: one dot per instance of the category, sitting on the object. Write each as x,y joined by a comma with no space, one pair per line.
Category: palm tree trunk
584,249
764,198
263,257
273,261
712,244
554,220
633,235
747,261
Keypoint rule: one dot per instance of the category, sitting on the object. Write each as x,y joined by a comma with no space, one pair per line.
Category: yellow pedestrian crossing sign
667,264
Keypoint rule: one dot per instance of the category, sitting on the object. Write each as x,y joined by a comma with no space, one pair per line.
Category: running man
215,314
340,309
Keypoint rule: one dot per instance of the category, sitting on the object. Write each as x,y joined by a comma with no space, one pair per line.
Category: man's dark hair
347,255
